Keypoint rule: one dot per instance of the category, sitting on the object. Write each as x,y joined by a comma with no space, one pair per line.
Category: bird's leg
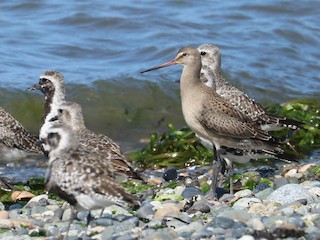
230,174
70,221
216,166
89,218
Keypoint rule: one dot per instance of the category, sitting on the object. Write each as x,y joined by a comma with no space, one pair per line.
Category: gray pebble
279,182
170,174
264,193
127,224
190,192
15,206
38,209
2,207
67,214
290,193
104,221
174,223
222,222
145,212
201,206
203,233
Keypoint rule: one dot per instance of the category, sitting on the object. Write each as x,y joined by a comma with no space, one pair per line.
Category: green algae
181,148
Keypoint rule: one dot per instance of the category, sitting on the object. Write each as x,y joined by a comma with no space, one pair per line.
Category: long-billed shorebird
14,135
212,76
212,117
80,175
70,114
51,84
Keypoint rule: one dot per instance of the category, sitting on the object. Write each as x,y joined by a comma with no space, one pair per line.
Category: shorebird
211,75
70,114
14,135
212,117
80,175
51,84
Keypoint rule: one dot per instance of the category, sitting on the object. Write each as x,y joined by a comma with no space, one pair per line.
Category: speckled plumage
71,114
14,135
51,84
80,175
212,76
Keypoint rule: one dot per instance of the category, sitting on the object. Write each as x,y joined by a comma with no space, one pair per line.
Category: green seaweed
181,148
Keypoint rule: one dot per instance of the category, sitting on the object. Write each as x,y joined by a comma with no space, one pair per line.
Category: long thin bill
166,64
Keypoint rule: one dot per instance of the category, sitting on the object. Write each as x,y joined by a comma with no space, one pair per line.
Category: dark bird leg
216,166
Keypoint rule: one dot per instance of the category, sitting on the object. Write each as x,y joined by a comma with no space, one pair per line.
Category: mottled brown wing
14,135
225,122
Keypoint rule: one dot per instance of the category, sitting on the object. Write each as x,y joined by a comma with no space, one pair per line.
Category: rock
243,193
67,214
290,193
222,222
257,224
155,181
244,203
104,221
174,223
40,200
258,208
6,224
280,181
18,195
192,227
236,214
170,174
260,187
201,206
190,192
4,214
38,210
145,212
262,195
306,167
246,237
127,224
170,210
202,234
291,173
15,206
2,207
315,192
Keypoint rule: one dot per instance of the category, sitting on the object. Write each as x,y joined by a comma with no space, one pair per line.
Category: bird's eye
184,54
203,53
60,111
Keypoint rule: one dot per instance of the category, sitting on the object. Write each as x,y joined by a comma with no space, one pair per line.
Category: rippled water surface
270,49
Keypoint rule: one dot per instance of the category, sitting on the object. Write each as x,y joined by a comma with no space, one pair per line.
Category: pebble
4,214
2,207
170,174
6,224
247,215
246,202
290,193
190,192
243,193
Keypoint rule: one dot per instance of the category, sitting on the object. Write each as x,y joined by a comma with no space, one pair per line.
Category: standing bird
80,175
212,76
51,84
14,135
212,117
70,114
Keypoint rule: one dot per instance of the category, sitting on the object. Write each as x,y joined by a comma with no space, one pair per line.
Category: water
270,49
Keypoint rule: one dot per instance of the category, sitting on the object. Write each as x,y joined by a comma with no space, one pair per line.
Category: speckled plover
80,175
14,135
70,114
51,84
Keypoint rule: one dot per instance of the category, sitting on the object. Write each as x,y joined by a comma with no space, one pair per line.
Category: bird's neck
190,77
